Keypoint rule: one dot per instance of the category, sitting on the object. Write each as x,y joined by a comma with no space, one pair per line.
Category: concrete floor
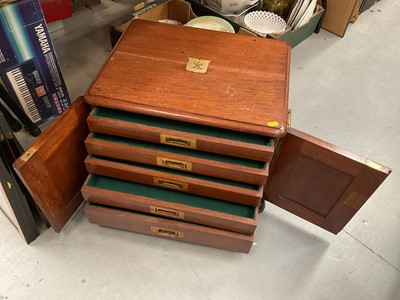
344,91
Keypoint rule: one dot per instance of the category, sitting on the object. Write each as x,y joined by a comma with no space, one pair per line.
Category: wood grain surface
203,142
245,87
53,168
192,233
193,185
185,212
320,182
199,165
338,15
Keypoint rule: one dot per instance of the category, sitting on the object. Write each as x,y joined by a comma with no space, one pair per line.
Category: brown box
178,10
338,15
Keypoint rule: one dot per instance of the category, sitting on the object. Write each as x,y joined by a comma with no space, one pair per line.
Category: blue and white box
28,62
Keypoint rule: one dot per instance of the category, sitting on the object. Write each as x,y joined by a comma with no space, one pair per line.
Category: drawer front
233,191
181,134
188,160
171,229
152,200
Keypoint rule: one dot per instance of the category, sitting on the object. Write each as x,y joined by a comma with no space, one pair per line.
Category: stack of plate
300,13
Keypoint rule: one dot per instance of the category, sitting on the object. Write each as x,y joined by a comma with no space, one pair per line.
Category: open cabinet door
320,182
53,167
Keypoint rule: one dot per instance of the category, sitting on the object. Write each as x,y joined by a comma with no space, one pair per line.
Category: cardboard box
182,11
178,10
338,15
28,62
294,37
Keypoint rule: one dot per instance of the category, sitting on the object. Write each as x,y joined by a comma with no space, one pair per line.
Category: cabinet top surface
245,86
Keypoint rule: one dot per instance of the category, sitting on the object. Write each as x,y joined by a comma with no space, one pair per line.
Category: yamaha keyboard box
28,62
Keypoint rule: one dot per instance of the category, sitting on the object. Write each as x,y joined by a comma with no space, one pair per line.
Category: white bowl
264,22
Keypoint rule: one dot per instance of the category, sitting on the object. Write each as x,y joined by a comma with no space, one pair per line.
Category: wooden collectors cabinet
186,155
192,144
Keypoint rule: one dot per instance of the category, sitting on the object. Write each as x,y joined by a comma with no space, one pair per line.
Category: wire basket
264,22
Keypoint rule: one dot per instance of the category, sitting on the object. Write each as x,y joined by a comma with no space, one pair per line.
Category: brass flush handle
166,232
170,184
174,164
178,141
167,212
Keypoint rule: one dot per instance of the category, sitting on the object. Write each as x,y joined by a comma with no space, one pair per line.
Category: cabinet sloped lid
53,168
320,182
244,87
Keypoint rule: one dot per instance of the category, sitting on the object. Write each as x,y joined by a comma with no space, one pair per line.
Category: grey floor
344,91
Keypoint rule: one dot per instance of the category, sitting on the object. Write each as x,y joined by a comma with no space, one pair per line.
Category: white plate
301,12
307,15
264,22
293,12
211,23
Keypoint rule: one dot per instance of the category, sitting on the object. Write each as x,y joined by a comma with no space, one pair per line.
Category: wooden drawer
192,208
181,134
172,229
189,160
219,188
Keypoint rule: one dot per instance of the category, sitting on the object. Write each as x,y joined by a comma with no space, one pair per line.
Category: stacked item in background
288,20
56,10
173,11
278,16
28,62
63,9
268,18
178,149
300,13
184,11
